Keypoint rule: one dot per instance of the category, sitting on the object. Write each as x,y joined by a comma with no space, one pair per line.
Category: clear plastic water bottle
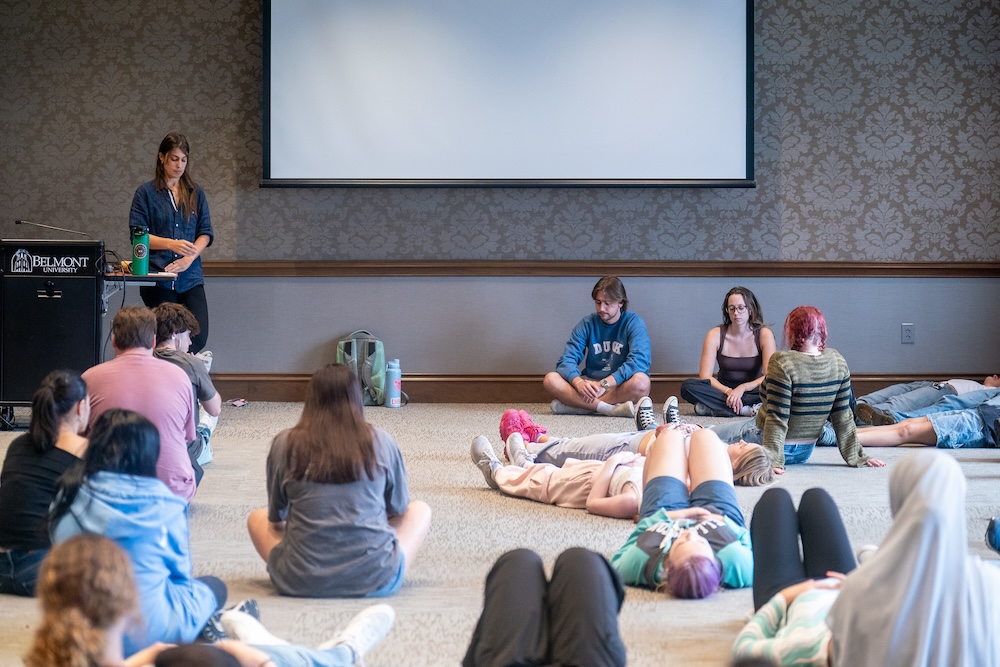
393,384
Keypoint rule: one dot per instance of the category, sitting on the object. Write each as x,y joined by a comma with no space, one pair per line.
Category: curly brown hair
84,586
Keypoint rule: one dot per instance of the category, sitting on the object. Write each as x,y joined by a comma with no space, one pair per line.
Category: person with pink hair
803,387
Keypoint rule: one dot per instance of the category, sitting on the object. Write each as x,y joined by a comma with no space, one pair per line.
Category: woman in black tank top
741,347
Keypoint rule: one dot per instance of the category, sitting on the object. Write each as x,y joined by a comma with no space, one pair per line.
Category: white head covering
921,599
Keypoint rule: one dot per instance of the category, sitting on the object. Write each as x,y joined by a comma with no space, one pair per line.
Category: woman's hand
180,265
693,513
792,592
182,247
778,471
735,399
874,463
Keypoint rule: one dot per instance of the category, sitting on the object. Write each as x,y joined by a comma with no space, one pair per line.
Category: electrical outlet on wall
907,332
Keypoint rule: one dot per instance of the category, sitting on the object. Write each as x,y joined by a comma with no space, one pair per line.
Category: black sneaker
645,416
671,415
248,606
213,630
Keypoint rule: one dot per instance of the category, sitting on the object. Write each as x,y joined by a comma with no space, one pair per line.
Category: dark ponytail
55,398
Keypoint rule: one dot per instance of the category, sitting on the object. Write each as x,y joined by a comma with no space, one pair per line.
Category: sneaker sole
871,416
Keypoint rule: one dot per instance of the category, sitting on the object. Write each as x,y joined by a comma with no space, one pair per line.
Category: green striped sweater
800,392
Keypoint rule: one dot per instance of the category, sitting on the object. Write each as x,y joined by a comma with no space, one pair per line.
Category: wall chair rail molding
707,269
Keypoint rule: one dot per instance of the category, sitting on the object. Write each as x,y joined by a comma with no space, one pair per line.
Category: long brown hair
188,186
756,314
85,586
332,443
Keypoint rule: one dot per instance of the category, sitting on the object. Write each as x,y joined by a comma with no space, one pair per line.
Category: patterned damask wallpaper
877,138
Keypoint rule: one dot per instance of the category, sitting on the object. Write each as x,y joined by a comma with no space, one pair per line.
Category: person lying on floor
751,466
803,387
691,536
919,599
968,429
611,488
924,400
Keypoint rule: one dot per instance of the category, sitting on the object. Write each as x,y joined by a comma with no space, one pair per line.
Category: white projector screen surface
550,91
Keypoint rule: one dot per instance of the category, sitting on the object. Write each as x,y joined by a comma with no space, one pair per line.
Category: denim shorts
394,584
669,493
959,428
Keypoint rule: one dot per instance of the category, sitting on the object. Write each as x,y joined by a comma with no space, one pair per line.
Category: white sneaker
365,630
207,420
246,628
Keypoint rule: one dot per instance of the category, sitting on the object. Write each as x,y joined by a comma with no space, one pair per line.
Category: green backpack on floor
364,354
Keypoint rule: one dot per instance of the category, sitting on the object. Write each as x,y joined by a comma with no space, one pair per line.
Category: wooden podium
50,301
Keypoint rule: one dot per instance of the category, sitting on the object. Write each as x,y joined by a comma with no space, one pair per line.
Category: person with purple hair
691,536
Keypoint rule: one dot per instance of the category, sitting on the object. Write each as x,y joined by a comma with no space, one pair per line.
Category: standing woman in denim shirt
174,210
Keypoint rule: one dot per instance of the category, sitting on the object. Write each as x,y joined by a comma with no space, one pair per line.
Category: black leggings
194,300
570,620
701,391
775,530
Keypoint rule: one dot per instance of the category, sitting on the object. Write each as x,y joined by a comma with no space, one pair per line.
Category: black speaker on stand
50,301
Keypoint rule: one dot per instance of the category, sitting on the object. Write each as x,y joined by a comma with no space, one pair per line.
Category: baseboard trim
511,389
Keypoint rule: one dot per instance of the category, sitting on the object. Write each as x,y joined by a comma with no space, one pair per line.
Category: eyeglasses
737,309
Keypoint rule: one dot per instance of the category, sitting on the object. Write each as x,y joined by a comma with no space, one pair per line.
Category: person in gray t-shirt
339,521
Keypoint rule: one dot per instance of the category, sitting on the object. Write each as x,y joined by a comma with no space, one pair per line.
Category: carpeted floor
441,597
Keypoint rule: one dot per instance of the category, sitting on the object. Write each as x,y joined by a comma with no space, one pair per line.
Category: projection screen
508,92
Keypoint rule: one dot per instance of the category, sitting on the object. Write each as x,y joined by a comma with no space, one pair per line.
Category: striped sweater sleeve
795,635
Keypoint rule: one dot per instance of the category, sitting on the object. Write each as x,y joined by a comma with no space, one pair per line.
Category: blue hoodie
620,350
150,523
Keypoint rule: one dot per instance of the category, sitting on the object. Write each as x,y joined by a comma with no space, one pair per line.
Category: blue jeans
394,584
748,431
959,428
908,396
289,655
950,403
669,493
19,571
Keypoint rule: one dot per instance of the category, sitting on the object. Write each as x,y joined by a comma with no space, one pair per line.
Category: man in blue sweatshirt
613,346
